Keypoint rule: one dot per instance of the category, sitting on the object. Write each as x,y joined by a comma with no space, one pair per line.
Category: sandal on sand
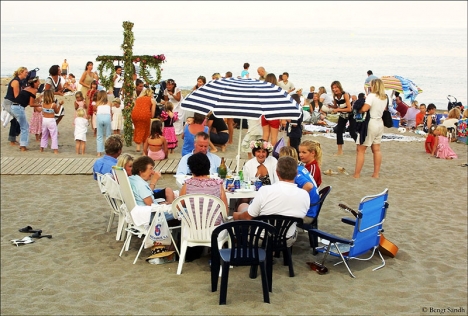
39,235
29,229
330,172
343,171
25,240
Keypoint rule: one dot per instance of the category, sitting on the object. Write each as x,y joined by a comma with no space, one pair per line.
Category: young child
81,127
311,93
155,145
189,120
169,118
35,125
89,102
117,118
93,108
441,148
430,139
79,101
49,124
245,72
430,118
310,154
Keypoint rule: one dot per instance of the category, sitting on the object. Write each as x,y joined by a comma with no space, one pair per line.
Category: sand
79,270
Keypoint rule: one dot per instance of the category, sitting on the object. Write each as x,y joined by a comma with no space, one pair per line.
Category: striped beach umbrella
242,99
403,85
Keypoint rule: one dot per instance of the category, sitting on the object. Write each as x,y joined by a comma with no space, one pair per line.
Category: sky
199,14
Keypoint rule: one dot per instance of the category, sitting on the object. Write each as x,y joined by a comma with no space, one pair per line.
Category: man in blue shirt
113,147
370,77
201,145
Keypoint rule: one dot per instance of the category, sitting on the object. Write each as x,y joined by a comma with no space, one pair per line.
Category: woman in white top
261,166
103,120
173,95
375,103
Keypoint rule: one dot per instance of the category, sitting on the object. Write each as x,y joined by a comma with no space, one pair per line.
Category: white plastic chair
198,213
110,190
129,204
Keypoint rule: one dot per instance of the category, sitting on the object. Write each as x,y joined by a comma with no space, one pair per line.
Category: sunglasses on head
170,81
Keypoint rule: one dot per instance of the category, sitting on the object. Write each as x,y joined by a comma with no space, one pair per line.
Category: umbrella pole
239,147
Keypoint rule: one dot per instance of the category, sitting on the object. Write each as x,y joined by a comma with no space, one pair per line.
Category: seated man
113,148
281,198
201,144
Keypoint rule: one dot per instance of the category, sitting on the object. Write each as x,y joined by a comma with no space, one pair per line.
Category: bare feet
375,177
99,154
14,143
42,149
23,148
356,176
223,148
214,150
338,154
56,151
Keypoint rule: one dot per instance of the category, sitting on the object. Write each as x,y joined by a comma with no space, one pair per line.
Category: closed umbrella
243,99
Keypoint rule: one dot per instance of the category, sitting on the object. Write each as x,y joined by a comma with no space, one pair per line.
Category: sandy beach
79,271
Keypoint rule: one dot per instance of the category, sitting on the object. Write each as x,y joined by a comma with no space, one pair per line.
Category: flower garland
146,62
261,144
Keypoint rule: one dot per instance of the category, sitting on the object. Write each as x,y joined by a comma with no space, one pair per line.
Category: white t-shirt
251,166
288,86
327,100
377,106
103,109
282,198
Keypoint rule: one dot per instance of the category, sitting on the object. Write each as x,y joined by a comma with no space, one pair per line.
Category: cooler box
396,122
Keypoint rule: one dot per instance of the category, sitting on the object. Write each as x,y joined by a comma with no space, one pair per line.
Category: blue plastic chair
251,246
366,235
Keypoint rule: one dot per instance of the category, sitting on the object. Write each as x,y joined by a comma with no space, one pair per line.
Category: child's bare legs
83,147
77,146
117,131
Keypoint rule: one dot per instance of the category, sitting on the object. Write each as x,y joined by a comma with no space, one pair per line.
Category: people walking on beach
245,72
13,90
26,97
441,147
285,84
155,145
173,94
375,104
370,77
103,120
310,154
169,117
49,124
117,117
81,128
65,68
118,81
144,109
342,106
270,127
87,78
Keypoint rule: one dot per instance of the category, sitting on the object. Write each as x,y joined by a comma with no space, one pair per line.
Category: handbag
387,117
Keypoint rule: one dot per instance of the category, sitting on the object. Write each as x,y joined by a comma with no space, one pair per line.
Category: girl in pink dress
169,118
441,147
35,125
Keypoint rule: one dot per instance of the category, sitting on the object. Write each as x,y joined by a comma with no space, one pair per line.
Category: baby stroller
452,104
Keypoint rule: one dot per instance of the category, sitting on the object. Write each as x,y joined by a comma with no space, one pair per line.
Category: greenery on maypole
146,62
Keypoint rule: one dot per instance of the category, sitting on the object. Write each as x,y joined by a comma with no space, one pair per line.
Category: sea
435,59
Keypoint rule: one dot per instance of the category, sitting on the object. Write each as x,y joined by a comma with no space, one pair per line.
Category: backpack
31,75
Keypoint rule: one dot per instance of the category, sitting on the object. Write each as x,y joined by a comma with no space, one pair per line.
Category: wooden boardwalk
46,166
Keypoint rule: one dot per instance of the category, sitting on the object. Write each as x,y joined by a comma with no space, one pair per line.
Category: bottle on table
222,169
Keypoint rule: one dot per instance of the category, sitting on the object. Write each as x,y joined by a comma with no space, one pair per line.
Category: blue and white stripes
243,99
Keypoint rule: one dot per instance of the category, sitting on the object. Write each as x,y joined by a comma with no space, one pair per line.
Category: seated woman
201,182
306,182
219,133
142,171
125,161
261,166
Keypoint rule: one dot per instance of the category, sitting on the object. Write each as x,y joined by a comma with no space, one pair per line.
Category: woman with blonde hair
375,104
103,120
145,107
125,161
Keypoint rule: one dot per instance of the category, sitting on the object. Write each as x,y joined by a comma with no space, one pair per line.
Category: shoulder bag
387,117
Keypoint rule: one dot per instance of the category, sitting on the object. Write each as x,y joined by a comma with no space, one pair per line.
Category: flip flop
343,171
29,229
39,235
330,172
25,240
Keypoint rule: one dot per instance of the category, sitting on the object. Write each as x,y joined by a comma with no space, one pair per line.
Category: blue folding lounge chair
366,235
